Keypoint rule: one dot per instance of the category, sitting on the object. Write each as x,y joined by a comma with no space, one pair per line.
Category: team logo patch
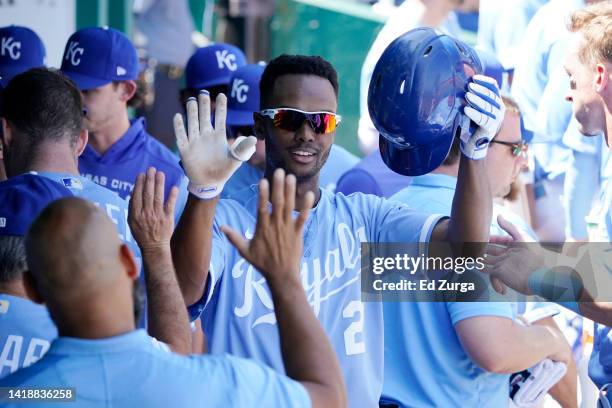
72,183
4,306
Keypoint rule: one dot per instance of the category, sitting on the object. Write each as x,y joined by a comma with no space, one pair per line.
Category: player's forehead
306,92
511,129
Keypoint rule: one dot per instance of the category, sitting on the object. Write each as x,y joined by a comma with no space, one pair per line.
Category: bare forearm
307,352
167,316
191,247
472,205
565,391
600,312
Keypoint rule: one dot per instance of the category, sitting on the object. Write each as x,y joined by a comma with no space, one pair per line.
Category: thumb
243,147
241,244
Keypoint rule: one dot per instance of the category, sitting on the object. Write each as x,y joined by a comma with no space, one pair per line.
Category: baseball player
211,68
297,120
242,103
104,65
43,132
98,341
26,329
466,342
588,65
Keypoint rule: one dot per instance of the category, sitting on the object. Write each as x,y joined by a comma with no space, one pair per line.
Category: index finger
262,204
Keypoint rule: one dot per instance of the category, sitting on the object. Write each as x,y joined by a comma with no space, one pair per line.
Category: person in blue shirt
372,176
588,65
98,342
43,132
26,329
104,65
297,121
471,348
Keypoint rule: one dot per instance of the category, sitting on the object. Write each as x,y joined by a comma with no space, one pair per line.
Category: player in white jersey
298,120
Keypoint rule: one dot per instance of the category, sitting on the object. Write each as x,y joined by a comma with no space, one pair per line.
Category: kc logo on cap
224,58
2,222
240,90
74,53
10,47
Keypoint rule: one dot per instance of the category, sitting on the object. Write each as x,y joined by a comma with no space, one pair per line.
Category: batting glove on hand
486,109
207,158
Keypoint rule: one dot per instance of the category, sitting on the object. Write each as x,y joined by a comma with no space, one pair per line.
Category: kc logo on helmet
74,53
2,222
10,47
240,90
224,58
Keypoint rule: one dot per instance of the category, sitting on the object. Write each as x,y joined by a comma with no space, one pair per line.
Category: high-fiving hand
207,158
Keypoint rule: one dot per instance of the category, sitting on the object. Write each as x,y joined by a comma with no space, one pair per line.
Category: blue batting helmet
416,99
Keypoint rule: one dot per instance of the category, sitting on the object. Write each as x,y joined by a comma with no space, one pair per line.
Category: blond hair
595,24
511,105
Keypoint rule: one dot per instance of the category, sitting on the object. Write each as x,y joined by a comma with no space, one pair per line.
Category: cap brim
85,82
239,118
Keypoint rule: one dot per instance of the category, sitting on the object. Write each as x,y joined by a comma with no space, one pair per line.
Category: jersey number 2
352,344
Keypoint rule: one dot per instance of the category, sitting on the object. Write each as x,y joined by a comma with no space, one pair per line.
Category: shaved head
79,265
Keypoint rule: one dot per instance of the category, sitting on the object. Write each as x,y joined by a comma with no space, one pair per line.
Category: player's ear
127,90
31,289
129,262
601,77
6,133
82,141
259,126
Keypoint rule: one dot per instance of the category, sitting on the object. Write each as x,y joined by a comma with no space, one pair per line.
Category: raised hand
486,109
207,158
276,247
151,220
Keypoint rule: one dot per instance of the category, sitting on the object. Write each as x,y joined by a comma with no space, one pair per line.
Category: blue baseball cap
243,97
20,50
213,65
22,199
97,56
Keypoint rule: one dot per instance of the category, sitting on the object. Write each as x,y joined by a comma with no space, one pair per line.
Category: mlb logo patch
2,222
72,183
4,306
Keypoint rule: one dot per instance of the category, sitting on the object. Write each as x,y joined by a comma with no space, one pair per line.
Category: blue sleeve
242,383
395,222
579,188
464,310
357,180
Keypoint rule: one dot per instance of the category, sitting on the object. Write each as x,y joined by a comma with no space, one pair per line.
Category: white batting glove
486,109
207,158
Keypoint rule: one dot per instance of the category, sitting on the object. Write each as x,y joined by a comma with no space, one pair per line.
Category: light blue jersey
239,314
115,207
244,177
425,364
26,331
129,371
339,162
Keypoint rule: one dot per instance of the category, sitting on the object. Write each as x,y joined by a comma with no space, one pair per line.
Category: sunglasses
292,119
517,148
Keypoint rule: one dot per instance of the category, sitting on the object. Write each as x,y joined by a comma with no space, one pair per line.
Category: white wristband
205,192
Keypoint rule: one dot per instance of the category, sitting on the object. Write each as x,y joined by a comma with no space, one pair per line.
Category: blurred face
502,165
586,102
104,105
302,152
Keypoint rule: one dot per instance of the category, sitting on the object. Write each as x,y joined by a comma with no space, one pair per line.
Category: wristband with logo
205,192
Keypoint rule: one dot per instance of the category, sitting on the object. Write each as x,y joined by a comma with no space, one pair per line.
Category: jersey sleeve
247,383
396,222
459,311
